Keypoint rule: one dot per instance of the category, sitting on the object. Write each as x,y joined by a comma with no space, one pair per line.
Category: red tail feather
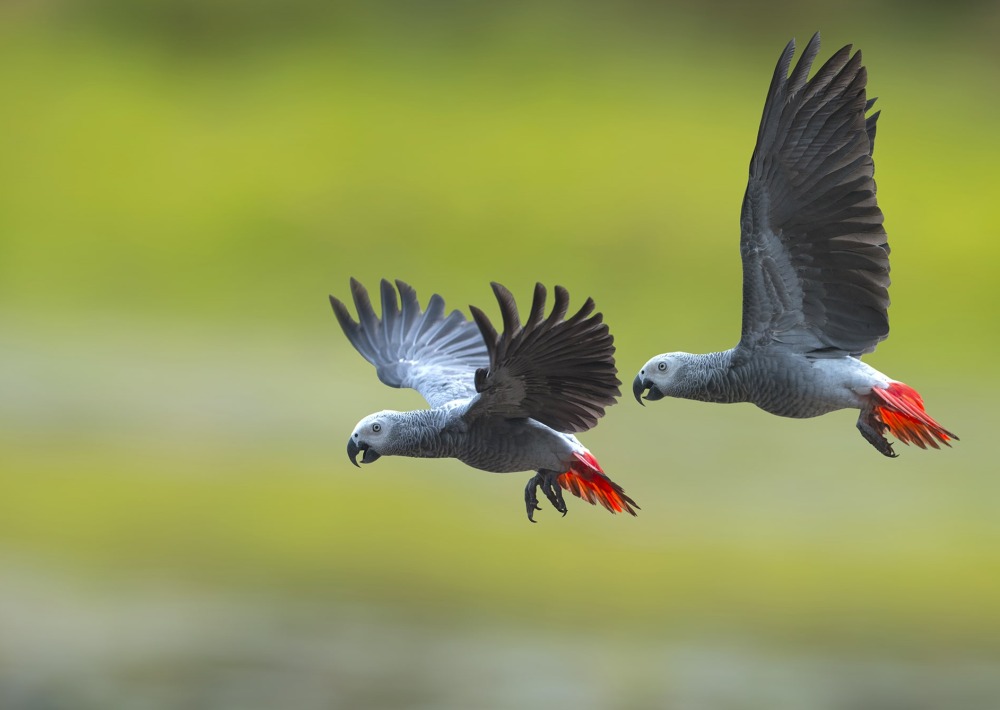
901,410
586,480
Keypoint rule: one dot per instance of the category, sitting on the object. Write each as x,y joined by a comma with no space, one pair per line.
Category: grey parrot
499,402
815,268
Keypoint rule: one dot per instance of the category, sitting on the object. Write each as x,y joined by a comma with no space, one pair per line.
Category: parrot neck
424,435
714,377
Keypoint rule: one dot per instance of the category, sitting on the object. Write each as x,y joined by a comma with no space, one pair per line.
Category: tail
900,410
586,480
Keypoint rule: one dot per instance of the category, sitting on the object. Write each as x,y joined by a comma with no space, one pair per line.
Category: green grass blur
182,184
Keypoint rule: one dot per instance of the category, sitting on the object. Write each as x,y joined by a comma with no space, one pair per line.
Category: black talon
548,481
873,428
553,492
531,499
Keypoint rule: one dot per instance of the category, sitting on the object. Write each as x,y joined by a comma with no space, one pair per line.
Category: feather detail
900,409
815,253
433,353
559,371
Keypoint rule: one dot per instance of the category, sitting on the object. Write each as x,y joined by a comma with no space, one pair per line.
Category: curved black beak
639,387
354,449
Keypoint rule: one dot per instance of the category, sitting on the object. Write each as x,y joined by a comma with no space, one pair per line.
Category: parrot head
662,376
373,437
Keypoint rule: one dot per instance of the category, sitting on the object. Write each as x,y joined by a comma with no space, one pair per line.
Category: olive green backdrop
183,183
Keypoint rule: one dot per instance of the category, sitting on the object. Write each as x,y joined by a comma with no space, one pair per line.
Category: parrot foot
548,482
871,427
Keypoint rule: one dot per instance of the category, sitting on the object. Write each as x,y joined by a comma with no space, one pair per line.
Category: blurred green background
182,183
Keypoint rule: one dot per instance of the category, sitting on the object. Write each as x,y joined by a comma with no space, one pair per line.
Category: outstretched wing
559,372
815,256
424,350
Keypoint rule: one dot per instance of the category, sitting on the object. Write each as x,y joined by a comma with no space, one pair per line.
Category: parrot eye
661,366
376,427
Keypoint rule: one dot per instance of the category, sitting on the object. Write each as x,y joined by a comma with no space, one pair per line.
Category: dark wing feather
558,371
423,350
815,255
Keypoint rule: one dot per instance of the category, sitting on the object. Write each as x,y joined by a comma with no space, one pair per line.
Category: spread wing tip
564,367
489,333
816,129
412,347
343,314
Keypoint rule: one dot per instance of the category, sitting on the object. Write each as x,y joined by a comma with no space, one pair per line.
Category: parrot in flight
499,402
815,268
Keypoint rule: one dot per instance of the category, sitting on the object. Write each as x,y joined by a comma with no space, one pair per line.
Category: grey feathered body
780,382
492,444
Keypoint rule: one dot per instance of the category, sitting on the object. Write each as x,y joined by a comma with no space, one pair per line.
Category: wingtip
508,307
787,53
486,329
537,313
390,304
343,315
407,295
358,289
560,301
499,290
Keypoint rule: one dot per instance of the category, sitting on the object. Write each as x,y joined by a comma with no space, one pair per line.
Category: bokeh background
182,183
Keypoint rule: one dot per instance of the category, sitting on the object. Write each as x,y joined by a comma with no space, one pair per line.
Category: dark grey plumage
815,254
559,372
